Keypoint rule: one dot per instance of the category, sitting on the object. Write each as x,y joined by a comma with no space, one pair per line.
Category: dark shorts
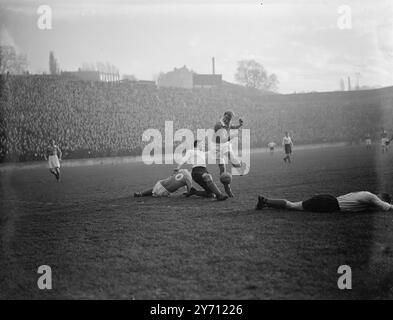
288,148
321,203
197,174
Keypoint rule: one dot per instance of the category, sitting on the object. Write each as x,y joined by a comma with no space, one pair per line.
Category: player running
384,141
223,147
271,145
368,141
197,157
351,202
288,146
163,188
51,155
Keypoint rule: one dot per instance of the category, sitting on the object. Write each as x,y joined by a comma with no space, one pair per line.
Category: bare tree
252,74
12,62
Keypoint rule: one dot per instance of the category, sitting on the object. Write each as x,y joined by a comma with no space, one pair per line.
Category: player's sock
146,193
276,203
213,187
228,190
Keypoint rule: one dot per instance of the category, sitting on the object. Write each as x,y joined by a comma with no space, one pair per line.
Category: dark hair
229,113
385,197
195,143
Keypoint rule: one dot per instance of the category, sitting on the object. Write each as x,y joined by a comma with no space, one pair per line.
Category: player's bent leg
52,171
228,190
57,173
221,166
234,160
208,179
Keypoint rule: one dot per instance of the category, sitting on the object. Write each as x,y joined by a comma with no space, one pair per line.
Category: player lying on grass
53,160
163,188
197,157
350,202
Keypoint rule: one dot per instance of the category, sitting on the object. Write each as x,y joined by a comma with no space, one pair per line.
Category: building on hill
206,80
92,75
178,78
188,79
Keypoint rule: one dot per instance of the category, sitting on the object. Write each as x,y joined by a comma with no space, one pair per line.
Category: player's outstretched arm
380,204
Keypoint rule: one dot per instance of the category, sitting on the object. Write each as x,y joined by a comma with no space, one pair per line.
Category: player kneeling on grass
53,159
350,202
163,188
197,157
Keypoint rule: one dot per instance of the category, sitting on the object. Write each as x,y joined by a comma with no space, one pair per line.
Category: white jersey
271,145
361,201
286,140
195,157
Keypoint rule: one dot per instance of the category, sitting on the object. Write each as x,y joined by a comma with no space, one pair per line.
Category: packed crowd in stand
98,119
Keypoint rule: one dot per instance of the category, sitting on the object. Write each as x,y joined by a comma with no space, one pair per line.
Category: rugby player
350,202
223,147
163,188
368,141
271,145
53,155
197,157
384,141
288,145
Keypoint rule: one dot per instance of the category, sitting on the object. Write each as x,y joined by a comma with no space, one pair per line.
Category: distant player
384,141
351,202
368,141
53,155
197,157
288,146
271,146
163,188
223,148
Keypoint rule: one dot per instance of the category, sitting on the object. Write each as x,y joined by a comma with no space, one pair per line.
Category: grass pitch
102,243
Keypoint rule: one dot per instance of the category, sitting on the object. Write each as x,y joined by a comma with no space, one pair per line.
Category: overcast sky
300,40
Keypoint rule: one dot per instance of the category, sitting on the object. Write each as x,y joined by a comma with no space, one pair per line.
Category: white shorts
160,191
368,142
383,141
53,162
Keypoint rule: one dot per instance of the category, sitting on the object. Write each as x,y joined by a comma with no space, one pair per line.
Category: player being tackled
197,157
163,188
